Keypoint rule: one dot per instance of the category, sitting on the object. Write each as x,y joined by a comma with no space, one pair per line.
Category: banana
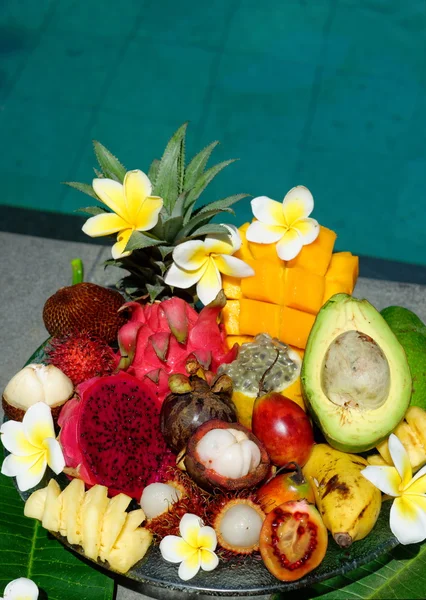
100,525
349,504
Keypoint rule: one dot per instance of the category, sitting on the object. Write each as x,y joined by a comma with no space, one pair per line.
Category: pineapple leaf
93,210
210,228
141,240
197,165
154,290
165,251
110,165
200,219
167,181
158,230
221,204
181,166
178,208
153,171
172,227
82,187
98,173
203,182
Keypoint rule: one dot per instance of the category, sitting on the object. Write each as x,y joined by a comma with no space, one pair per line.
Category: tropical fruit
283,298
159,339
84,307
411,334
101,526
253,361
110,434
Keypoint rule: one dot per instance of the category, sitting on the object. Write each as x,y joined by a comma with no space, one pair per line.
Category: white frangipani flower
193,550
408,512
286,224
202,262
21,589
32,446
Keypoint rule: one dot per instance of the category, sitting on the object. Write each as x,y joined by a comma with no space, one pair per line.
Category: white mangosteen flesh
240,526
229,452
157,498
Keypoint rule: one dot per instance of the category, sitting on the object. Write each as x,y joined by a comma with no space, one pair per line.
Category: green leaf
179,207
165,251
153,171
110,165
211,228
167,182
181,166
154,290
197,165
203,182
85,188
92,210
141,240
201,218
28,550
172,227
221,204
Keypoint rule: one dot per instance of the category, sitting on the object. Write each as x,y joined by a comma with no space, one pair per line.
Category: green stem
77,271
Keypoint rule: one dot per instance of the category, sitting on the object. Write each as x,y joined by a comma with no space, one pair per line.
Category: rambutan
81,356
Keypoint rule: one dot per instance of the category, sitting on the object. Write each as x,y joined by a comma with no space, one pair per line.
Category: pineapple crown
180,185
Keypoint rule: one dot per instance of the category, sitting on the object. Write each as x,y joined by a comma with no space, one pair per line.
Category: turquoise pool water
327,93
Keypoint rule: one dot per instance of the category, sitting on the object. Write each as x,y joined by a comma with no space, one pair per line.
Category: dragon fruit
110,434
159,338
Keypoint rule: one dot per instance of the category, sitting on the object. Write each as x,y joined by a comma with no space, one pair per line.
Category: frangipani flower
201,262
32,446
134,209
285,224
408,512
193,550
21,589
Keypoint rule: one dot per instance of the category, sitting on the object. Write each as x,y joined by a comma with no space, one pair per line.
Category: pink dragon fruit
110,434
159,338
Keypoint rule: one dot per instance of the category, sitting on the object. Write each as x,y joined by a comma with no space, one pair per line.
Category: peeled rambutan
81,356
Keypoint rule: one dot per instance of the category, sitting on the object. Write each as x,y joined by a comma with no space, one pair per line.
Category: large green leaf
197,165
141,240
85,188
167,181
202,182
110,165
28,550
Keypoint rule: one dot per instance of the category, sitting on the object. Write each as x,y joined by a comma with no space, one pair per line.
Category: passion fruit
227,456
293,540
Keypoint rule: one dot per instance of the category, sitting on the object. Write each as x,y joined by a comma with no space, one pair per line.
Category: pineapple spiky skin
180,186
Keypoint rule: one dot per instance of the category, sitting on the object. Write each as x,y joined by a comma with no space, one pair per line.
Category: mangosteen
225,455
191,403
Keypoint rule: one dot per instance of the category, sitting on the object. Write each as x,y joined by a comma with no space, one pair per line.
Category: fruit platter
231,419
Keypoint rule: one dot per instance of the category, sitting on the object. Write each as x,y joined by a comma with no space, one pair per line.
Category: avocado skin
411,334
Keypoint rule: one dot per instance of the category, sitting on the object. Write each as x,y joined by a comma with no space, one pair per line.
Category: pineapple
180,185
72,499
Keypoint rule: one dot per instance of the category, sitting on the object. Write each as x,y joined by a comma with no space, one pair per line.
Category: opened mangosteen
193,402
225,455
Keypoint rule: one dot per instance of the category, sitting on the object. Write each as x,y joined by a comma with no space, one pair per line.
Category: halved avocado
355,376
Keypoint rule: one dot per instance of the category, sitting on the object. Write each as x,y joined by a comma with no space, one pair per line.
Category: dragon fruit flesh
159,338
110,434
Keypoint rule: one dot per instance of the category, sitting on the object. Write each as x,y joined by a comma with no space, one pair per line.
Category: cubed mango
295,326
231,317
231,287
303,290
267,284
316,257
259,317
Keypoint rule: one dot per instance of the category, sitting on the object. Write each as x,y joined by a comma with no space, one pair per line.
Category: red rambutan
81,356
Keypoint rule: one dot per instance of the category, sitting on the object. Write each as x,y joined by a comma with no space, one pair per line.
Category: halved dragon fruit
159,338
110,434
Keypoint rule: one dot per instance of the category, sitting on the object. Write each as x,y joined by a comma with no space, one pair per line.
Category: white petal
386,479
418,484
29,479
112,194
54,455
220,243
207,539
104,224
189,527
235,237
123,238
268,211
177,277
14,439
38,424
408,519
210,283
289,245
190,567
190,255
400,459
230,265
308,230
15,465
209,560
174,549
21,588
264,234
297,204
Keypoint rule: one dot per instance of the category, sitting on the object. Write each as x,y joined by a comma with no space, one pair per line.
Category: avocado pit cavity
355,372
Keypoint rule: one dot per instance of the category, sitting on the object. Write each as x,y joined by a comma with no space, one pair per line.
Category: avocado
355,376
411,334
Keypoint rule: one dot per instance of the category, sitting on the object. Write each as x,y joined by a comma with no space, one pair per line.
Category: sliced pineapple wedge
114,520
92,515
34,506
132,543
72,499
52,507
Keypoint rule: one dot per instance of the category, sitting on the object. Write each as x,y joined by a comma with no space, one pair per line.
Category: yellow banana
349,504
